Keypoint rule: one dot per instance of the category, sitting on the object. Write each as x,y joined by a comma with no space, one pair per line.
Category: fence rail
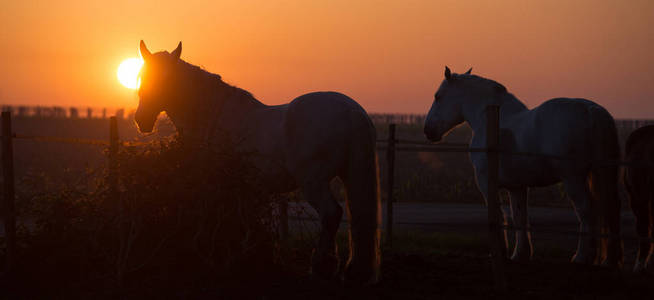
88,112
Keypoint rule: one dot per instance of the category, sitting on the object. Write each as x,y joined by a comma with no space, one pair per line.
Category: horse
638,181
562,127
302,144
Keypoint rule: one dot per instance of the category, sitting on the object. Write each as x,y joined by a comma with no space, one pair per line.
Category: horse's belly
527,172
275,177
528,180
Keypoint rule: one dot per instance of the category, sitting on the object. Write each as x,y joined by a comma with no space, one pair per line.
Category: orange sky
388,55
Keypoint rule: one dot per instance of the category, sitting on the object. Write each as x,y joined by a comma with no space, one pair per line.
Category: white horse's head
158,89
456,96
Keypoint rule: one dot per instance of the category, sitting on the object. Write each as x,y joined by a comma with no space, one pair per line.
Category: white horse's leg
578,191
523,250
482,184
324,261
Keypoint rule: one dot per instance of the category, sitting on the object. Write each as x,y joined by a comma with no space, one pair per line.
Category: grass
432,265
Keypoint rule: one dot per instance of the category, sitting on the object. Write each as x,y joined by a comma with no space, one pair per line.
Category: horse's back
567,125
320,128
564,127
641,139
571,111
324,104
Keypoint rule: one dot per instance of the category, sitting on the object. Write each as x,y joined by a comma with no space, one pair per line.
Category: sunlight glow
128,72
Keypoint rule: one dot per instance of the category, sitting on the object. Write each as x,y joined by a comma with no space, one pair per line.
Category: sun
128,72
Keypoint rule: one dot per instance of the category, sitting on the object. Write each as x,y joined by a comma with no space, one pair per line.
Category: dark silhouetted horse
639,181
303,144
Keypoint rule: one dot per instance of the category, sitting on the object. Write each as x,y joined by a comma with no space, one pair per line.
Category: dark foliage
179,218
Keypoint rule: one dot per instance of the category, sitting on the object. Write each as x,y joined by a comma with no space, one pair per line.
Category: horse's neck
217,107
475,115
236,111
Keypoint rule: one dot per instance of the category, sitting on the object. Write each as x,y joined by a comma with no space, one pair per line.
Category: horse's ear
468,72
500,89
178,51
448,73
145,53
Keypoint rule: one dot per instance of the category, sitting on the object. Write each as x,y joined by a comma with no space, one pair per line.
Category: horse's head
157,91
454,98
446,111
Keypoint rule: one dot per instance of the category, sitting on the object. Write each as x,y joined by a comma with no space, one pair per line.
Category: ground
439,246
448,266
453,266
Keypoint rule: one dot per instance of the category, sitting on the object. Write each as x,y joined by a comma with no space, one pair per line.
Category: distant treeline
61,112
418,119
89,112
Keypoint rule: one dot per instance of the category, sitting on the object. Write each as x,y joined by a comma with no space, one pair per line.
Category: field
419,177
424,263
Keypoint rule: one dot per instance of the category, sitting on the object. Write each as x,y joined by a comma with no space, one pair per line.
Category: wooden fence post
283,218
114,196
495,232
9,190
390,158
113,152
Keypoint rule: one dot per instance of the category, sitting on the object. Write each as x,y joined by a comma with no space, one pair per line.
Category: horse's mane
478,80
193,73
503,94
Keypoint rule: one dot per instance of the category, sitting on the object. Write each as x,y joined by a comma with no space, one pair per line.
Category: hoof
613,263
521,258
324,266
639,267
583,260
359,275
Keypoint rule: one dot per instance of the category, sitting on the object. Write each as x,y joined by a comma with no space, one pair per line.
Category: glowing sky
388,55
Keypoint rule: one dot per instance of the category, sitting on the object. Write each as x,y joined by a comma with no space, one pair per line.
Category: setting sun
128,72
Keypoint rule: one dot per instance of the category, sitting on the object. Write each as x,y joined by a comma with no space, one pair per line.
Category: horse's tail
361,180
604,183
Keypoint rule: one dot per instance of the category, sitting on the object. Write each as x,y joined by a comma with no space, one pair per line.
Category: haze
389,56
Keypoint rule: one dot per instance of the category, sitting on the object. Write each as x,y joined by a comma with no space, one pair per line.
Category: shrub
179,216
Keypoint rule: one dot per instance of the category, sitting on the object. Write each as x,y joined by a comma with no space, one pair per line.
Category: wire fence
422,146
298,214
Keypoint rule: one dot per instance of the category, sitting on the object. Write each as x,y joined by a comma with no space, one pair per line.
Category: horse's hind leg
579,192
640,205
649,264
364,212
523,250
641,209
324,261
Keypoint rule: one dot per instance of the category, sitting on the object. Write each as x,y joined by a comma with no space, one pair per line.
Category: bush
180,216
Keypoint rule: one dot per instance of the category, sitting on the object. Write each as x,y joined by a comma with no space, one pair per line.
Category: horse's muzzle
432,135
144,126
144,129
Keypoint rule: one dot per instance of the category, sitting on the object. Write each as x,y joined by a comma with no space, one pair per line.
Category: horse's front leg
578,191
324,261
524,249
481,175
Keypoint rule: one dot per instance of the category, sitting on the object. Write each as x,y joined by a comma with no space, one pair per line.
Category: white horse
562,127
305,143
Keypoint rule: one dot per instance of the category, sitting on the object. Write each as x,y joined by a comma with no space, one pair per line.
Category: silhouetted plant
179,212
